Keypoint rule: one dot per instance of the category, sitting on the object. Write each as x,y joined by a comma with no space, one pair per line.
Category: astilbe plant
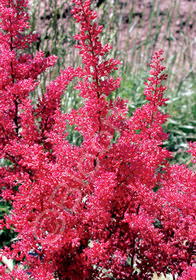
111,208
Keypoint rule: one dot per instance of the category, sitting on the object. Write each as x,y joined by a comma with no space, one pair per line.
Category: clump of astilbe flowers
111,208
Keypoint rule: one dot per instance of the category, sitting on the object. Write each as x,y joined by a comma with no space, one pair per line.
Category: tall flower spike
148,120
96,81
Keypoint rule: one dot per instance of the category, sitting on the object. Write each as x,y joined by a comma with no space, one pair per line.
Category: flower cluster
111,208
